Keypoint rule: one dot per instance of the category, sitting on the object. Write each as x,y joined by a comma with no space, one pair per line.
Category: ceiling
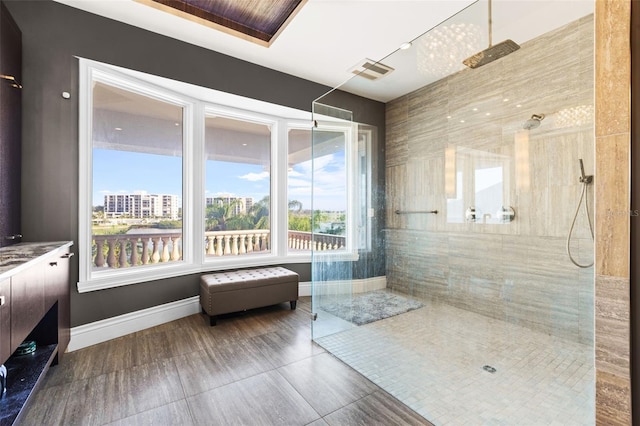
326,39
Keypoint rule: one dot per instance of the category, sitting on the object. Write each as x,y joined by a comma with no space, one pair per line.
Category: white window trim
196,101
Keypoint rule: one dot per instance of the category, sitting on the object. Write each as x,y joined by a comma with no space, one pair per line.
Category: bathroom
488,205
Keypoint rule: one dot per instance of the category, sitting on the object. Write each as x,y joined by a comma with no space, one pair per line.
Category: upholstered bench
234,291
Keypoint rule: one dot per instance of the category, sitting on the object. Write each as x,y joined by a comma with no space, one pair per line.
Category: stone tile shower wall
518,271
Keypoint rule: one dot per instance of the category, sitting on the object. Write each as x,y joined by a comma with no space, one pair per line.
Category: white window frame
350,130
197,102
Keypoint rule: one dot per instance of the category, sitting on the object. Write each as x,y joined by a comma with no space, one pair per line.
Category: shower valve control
506,214
470,214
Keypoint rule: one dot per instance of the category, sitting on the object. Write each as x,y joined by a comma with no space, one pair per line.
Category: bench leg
212,320
293,304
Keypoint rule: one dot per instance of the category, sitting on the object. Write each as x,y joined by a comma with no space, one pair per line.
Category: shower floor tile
432,360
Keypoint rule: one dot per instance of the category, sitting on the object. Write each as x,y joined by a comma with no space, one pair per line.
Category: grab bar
417,211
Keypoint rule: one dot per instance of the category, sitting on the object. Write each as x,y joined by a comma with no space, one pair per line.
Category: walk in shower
463,281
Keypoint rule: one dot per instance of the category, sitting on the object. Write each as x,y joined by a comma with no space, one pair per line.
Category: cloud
254,177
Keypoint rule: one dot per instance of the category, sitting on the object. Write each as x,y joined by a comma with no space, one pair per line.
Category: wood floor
255,368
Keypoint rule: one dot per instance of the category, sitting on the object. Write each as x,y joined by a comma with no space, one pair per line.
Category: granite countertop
18,257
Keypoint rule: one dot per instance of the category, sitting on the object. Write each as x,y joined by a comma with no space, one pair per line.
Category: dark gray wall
53,34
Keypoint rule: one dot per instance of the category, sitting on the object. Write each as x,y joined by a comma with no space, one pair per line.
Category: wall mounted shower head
533,122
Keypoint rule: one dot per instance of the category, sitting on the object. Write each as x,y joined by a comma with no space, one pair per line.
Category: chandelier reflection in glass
441,51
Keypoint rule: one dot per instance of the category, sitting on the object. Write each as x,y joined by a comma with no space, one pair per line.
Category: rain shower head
533,122
492,52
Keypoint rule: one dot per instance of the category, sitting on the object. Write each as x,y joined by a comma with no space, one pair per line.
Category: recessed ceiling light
448,116
475,109
177,124
244,144
518,106
462,121
488,113
505,100
118,128
405,46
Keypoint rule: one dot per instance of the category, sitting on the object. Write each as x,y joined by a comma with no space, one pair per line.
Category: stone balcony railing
126,250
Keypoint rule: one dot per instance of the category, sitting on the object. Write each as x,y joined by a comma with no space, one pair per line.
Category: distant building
242,204
141,206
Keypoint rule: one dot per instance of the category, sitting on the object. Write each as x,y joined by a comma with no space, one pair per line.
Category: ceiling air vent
371,70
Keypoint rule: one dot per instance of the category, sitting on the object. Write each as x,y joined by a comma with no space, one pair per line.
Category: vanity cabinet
35,288
10,127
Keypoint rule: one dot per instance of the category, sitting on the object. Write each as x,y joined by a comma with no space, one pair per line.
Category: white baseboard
111,328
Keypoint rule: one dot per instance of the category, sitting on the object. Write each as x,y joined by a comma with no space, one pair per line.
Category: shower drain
489,368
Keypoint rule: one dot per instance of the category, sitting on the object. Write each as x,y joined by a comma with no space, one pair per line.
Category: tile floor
432,360
257,368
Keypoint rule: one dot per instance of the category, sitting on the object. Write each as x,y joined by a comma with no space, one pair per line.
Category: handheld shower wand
584,180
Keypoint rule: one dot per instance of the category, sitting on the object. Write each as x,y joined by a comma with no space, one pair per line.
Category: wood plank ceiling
258,21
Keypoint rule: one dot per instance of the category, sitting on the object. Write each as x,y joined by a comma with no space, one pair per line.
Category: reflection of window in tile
488,193
481,182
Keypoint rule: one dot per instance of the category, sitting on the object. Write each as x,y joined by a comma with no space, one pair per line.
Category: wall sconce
523,179
450,171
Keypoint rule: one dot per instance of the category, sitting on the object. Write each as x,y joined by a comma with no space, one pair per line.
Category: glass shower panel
482,177
332,218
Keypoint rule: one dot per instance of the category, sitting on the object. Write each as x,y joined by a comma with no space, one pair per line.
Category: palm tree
218,215
295,206
260,213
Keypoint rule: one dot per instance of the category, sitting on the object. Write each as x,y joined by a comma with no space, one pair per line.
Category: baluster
175,253
111,255
256,243
227,244
290,242
211,250
165,249
155,257
250,242
219,243
243,240
123,253
134,252
99,260
234,245
145,250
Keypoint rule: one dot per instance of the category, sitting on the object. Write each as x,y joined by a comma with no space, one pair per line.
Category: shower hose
583,197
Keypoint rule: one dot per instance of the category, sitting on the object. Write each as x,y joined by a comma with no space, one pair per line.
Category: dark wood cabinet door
10,127
27,303
5,319
56,289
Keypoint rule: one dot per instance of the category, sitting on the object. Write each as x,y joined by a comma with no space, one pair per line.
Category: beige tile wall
519,271
613,143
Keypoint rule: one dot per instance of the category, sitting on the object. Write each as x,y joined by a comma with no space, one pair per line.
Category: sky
124,172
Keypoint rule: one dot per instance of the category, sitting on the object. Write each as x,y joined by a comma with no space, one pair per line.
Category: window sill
128,276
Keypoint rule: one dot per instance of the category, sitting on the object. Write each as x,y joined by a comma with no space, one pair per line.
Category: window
177,179
238,189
